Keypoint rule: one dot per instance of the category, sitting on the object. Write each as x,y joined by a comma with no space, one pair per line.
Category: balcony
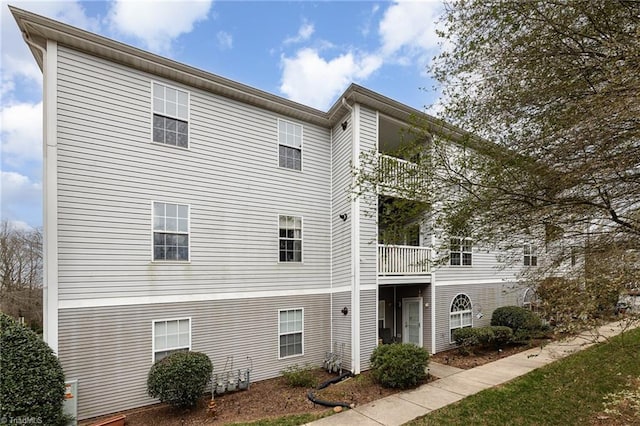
403,260
396,172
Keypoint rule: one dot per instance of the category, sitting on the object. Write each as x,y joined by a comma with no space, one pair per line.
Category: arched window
461,315
530,299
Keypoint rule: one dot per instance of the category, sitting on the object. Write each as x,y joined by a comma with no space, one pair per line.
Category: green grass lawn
567,392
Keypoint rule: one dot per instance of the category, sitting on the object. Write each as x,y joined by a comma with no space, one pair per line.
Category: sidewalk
455,384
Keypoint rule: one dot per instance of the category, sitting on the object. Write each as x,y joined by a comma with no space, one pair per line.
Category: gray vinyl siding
109,173
109,350
486,266
368,203
485,298
341,199
341,325
368,245
341,148
368,326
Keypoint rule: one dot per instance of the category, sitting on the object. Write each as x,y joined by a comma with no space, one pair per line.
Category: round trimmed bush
522,321
32,381
180,378
399,365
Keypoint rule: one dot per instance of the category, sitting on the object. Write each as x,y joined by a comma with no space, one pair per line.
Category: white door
412,320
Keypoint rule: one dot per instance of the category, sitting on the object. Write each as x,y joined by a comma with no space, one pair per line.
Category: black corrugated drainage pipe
312,397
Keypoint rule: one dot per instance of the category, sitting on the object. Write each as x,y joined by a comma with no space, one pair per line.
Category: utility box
70,404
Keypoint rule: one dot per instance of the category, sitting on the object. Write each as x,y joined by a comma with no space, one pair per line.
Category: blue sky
301,50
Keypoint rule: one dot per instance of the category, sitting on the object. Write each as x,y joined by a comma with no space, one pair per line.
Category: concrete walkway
455,384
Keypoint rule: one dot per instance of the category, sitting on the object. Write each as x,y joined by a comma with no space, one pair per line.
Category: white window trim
188,92
533,253
283,334
301,239
461,251
173,262
153,336
284,144
460,314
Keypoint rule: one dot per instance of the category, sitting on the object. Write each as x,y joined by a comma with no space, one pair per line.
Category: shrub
32,381
523,322
299,377
469,337
180,378
399,365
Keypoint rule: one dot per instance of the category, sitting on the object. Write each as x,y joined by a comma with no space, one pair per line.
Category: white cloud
309,79
21,198
225,40
17,61
21,133
408,28
157,23
407,36
304,33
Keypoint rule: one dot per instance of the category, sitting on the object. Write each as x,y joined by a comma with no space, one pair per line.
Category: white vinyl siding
170,116
290,145
170,232
227,176
461,315
170,336
290,238
291,332
460,251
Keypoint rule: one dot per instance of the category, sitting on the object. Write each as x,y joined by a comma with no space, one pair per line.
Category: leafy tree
21,273
548,92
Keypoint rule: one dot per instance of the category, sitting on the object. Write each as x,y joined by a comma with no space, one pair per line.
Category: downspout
50,190
355,242
331,244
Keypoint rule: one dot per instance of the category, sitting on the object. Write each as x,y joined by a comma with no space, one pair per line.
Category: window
460,251
530,299
290,145
170,116
290,332
171,336
461,314
290,239
381,313
530,255
170,231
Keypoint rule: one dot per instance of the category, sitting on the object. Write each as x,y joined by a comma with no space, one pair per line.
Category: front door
412,320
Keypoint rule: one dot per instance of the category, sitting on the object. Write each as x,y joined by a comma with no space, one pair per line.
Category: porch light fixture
345,311
344,217
344,125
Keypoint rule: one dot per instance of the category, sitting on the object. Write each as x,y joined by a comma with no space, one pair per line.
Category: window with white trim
381,313
290,238
460,251
290,333
530,255
461,315
290,145
171,336
170,231
170,116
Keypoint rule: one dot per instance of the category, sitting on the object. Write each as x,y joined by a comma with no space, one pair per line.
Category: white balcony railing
396,173
403,260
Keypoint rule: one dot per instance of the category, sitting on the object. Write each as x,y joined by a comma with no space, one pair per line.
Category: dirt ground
480,357
264,399
274,398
